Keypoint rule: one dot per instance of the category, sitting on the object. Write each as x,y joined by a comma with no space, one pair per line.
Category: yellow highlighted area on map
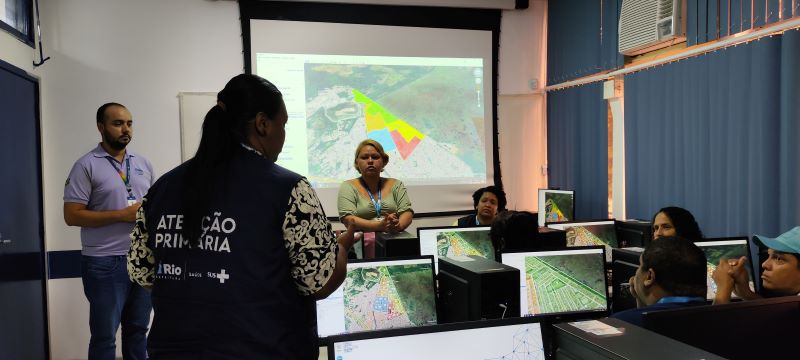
378,118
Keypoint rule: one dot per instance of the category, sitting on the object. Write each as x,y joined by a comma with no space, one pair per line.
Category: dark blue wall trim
64,264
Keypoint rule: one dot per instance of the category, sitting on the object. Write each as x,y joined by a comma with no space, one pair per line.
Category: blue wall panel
712,20
759,13
736,15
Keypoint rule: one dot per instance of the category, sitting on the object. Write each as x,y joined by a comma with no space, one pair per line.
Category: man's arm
76,214
741,280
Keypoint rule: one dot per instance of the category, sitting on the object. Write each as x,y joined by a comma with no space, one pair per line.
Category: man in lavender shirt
102,194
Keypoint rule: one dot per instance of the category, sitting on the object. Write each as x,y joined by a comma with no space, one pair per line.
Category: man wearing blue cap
781,274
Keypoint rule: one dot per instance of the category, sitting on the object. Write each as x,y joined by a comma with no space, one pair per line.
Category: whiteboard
193,109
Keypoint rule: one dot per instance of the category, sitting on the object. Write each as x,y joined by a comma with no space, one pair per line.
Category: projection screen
424,93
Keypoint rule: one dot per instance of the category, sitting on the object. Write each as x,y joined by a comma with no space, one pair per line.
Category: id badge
131,200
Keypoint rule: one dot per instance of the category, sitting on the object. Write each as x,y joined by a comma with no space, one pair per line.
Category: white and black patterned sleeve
309,239
141,262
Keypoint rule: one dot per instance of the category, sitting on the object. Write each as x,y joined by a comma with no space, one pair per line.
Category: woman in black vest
235,247
488,202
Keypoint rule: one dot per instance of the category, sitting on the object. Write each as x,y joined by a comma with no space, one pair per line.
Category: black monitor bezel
324,340
540,207
544,324
568,314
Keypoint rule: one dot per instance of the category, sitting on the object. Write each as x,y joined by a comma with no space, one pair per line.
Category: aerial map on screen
558,207
593,234
560,283
429,119
713,255
384,297
458,243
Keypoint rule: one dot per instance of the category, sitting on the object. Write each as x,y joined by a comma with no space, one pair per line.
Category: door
23,309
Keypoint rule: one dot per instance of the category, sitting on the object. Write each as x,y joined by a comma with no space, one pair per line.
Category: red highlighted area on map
387,129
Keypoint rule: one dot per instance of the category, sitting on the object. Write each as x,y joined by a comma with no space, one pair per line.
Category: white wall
15,52
521,105
143,53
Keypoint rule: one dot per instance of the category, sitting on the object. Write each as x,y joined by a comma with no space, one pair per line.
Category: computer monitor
455,241
755,329
624,264
728,248
515,338
380,294
556,206
588,233
561,281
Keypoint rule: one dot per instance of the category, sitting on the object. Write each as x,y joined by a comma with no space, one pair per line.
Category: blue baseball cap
788,242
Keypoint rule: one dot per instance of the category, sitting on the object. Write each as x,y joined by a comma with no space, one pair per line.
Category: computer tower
394,245
475,288
634,233
551,239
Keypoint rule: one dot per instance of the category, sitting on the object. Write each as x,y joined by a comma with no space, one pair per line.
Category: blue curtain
732,16
581,38
577,147
717,134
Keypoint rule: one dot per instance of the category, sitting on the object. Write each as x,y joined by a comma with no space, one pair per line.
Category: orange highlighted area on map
389,130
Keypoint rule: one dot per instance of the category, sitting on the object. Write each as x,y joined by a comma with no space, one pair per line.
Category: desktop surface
632,342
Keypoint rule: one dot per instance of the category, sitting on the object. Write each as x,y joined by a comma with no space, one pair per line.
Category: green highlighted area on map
561,283
458,243
558,207
384,297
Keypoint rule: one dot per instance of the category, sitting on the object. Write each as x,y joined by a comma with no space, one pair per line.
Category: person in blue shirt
671,274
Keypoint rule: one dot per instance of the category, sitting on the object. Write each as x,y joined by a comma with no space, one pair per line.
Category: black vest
232,296
468,221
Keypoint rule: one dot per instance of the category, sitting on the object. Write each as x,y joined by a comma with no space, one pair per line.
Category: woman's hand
392,223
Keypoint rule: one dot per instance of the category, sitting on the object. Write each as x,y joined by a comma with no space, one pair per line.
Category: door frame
13,70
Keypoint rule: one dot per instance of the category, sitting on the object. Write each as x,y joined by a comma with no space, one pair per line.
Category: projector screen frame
408,16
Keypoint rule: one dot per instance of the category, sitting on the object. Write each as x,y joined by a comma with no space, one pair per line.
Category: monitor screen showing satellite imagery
724,249
380,295
560,281
455,241
556,206
590,233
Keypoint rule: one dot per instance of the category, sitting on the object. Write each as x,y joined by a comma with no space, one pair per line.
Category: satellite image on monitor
558,207
457,243
588,235
560,283
386,297
429,119
714,254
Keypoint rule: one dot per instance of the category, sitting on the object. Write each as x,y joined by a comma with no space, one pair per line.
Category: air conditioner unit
647,25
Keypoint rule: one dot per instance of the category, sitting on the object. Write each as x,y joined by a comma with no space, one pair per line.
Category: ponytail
224,129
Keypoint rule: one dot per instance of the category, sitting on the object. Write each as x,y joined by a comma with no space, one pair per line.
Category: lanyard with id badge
376,204
126,178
